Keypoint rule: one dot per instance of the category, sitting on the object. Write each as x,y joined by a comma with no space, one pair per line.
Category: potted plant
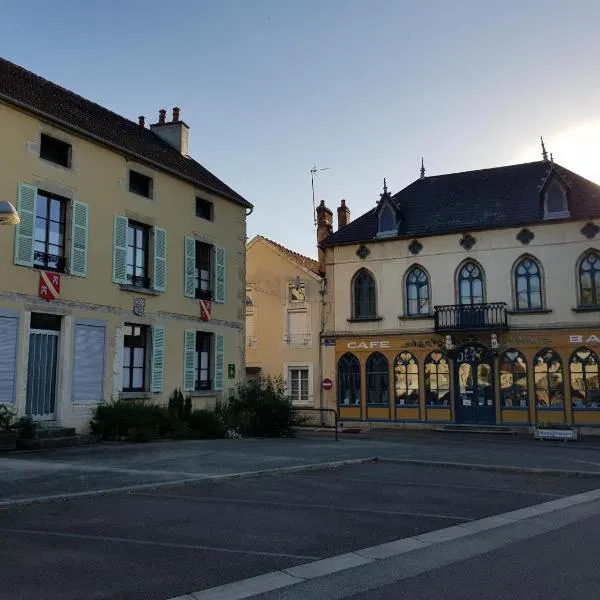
8,434
555,431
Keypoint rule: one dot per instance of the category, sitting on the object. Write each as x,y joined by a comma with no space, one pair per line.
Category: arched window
548,378
387,220
589,279
513,380
406,379
528,284
470,284
585,388
555,205
349,380
417,292
437,379
378,379
363,295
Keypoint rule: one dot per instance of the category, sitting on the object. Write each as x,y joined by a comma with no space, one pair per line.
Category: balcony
298,340
470,317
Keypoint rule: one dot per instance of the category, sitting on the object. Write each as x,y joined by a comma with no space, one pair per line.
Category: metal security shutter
9,327
88,363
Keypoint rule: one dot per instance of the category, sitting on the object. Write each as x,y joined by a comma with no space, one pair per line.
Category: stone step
54,432
57,442
477,428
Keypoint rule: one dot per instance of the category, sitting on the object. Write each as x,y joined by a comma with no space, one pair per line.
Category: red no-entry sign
327,384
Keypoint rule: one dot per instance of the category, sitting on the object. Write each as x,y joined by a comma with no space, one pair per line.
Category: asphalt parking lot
161,543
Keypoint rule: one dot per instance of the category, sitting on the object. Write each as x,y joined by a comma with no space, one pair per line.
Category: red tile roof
303,261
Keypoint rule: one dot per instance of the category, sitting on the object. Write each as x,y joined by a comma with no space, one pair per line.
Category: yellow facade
282,332
98,177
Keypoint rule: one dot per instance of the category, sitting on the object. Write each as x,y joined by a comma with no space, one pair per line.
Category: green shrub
26,428
206,424
123,418
7,417
176,404
261,408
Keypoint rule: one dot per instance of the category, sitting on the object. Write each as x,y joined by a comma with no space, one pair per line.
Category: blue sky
364,87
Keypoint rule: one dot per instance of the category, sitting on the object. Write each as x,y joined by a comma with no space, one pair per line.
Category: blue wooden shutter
120,227
158,359
220,274
189,358
9,329
24,234
190,268
88,362
219,362
79,239
159,277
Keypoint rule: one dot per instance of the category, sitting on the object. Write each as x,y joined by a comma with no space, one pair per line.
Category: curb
497,468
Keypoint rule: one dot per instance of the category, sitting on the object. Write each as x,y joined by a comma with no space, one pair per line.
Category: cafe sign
370,345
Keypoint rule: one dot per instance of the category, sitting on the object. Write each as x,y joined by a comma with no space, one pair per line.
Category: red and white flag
49,285
205,309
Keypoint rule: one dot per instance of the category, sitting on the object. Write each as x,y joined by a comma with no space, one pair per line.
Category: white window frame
287,375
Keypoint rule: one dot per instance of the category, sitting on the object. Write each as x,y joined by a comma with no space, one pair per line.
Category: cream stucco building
136,234
467,298
284,302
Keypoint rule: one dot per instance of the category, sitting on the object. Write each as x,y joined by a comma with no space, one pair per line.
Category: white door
42,374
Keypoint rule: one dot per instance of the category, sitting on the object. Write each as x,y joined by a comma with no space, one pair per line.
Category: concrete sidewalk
107,467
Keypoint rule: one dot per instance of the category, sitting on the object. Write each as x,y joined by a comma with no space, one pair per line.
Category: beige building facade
122,238
284,312
470,298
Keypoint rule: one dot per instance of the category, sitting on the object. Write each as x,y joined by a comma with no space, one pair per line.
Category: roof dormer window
555,202
387,220
387,216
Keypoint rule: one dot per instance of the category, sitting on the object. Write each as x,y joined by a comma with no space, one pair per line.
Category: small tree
261,408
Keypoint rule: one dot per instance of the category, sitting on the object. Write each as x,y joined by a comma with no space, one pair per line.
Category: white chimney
175,133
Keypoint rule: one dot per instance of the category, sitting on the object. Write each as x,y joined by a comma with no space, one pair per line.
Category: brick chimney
142,121
324,228
175,133
343,215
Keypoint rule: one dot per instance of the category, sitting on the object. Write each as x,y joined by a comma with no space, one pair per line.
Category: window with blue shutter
158,359
189,358
190,268
79,239
24,234
219,362
89,359
220,275
159,278
120,227
9,329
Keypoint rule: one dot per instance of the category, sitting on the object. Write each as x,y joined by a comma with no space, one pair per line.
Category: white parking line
121,540
346,509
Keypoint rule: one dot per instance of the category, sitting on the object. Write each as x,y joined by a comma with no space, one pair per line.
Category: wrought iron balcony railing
470,317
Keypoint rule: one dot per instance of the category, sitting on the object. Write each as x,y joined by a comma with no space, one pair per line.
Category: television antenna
313,172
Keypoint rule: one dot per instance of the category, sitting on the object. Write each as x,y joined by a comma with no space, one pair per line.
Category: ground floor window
514,392
378,379
585,389
437,379
298,384
134,357
548,377
406,379
349,380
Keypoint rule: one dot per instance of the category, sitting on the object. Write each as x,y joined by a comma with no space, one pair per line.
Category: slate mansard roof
489,198
48,100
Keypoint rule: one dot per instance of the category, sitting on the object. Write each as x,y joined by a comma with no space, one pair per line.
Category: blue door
42,374
474,389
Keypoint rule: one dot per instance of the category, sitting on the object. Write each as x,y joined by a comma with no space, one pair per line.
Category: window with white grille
298,384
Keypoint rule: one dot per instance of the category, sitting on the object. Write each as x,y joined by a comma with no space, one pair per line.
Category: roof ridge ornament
422,169
544,153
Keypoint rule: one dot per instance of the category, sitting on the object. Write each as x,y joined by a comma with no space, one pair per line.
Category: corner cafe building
515,378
